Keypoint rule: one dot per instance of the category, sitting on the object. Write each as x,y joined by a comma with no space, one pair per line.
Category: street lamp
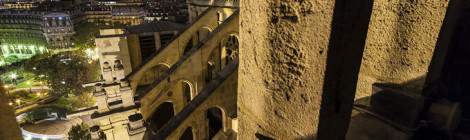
13,76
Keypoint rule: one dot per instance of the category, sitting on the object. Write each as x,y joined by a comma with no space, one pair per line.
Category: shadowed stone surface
9,128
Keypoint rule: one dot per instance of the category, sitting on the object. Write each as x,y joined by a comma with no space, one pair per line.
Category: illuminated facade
58,29
20,5
118,14
167,10
21,35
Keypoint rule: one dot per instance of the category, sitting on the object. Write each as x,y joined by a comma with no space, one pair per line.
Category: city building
98,16
127,15
21,35
166,10
58,29
20,5
116,15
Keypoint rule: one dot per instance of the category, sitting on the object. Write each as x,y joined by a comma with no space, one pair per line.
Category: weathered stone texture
282,54
400,43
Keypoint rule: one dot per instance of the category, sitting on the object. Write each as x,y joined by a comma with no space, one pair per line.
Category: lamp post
13,76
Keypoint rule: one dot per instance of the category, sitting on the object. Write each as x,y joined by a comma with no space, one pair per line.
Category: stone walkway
52,127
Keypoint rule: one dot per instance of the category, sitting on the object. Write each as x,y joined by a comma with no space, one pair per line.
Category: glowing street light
13,76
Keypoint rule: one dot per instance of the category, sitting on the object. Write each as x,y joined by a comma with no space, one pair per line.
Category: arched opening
118,65
162,114
153,74
106,66
229,50
186,87
215,120
187,134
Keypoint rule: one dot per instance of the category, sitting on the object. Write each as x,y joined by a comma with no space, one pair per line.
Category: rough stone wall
9,128
283,55
400,43
282,62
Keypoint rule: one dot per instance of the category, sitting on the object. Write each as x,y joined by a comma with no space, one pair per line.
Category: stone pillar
127,95
283,47
136,127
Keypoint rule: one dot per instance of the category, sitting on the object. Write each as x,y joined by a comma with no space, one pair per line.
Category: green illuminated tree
79,132
65,73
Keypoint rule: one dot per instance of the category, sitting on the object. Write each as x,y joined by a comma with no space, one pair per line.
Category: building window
215,120
118,65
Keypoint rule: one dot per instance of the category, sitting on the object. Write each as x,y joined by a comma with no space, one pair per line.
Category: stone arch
215,121
229,49
187,134
187,90
153,74
162,114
